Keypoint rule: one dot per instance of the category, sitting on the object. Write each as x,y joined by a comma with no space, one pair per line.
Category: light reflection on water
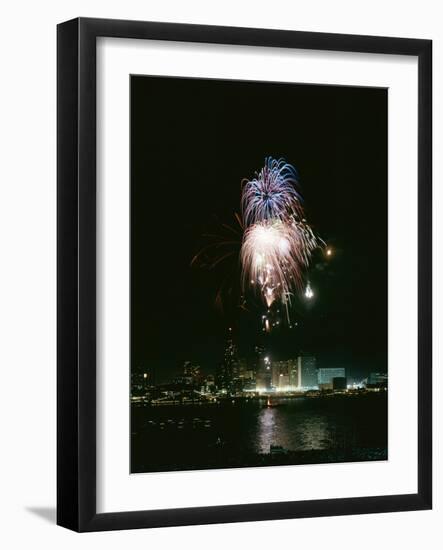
266,422
277,426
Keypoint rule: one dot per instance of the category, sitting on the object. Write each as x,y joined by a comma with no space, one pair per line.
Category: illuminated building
242,367
244,370
307,371
326,377
379,379
259,353
285,375
192,373
293,373
209,384
283,382
141,381
264,374
243,377
228,370
277,368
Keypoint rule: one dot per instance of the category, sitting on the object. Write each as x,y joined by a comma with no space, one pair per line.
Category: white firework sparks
274,255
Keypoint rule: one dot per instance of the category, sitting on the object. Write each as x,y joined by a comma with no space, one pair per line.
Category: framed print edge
76,278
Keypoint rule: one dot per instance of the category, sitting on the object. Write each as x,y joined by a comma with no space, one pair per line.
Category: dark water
311,430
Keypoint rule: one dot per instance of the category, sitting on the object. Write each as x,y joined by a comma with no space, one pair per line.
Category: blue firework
272,194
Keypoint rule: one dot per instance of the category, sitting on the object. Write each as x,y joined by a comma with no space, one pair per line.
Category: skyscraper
264,374
228,370
285,375
277,368
259,353
293,374
307,371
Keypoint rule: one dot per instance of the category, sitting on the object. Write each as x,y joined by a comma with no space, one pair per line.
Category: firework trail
277,242
220,255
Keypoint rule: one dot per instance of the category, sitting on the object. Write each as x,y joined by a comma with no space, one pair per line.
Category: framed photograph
244,274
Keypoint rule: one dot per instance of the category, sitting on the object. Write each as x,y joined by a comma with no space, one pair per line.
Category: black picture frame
76,280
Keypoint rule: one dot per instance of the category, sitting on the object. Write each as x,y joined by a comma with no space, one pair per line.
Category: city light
238,379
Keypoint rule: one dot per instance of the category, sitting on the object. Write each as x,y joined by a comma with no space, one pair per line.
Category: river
308,430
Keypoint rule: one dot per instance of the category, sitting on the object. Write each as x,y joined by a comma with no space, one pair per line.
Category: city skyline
165,369
233,365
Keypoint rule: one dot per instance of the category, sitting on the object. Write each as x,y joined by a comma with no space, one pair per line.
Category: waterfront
236,433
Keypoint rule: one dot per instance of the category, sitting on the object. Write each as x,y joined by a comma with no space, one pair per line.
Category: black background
192,142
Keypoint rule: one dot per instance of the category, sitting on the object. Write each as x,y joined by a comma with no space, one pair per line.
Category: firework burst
274,255
277,242
272,194
271,243
268,260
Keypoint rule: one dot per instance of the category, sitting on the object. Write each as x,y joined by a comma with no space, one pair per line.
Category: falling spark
309,292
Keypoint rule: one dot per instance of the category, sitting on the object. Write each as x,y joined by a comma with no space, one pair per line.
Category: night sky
192,142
